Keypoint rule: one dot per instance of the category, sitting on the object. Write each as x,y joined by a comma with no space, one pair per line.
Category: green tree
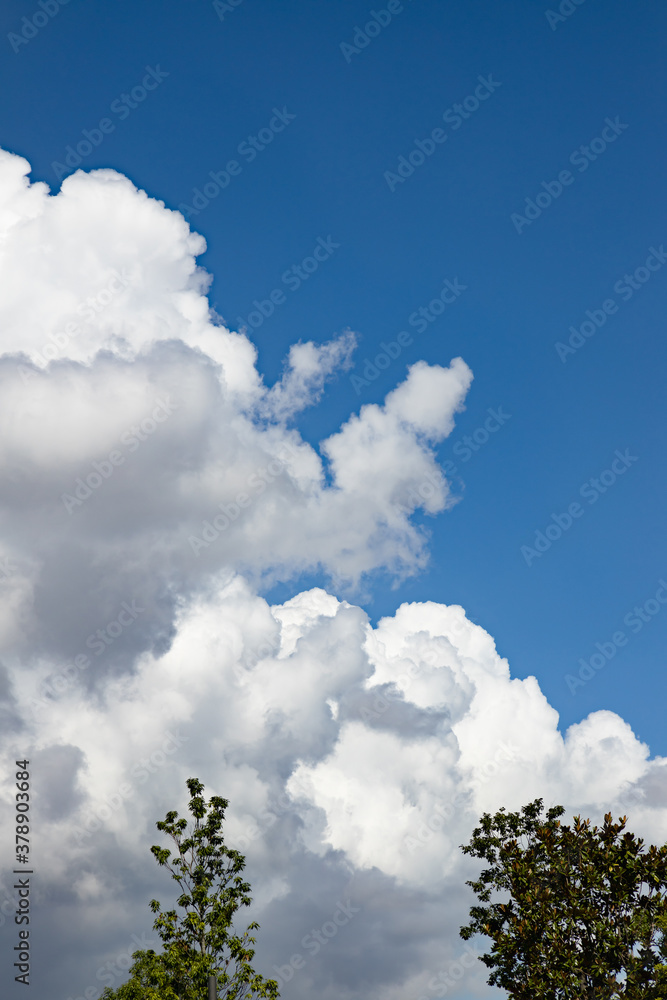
582,911
198,939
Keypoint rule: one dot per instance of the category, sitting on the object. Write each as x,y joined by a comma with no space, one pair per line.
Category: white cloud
430,731
149,480
141,450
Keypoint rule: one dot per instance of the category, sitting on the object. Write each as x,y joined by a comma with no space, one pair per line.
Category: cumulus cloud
151,485
356,761
141,450
308,366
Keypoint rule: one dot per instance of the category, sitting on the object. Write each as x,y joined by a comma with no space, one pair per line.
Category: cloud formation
141,449
151,485
356,761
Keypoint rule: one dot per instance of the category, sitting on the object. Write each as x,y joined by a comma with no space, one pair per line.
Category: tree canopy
582,911
198,938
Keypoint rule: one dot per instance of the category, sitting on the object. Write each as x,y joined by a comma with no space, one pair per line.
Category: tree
586,916
200,940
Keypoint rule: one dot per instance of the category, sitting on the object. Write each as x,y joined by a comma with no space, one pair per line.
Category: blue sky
592,80
323,175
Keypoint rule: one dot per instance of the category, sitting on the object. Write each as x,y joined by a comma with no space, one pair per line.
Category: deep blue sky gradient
323,175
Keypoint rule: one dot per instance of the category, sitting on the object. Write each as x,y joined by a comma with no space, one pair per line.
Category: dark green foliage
199,939
582,912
